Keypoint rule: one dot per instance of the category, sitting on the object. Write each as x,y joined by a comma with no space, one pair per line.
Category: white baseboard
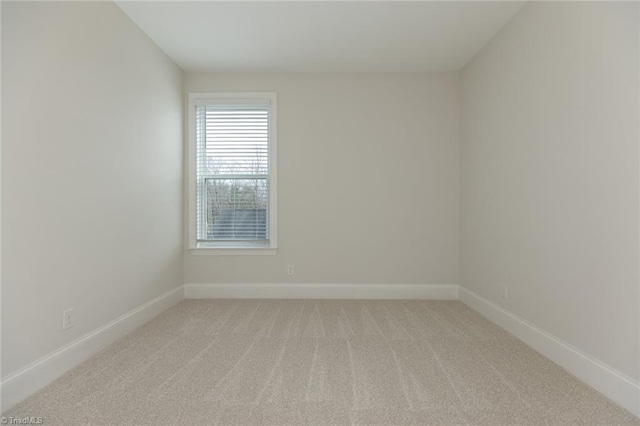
613,384
24,382
321,291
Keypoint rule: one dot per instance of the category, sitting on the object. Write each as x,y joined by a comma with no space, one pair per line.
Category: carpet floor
316,362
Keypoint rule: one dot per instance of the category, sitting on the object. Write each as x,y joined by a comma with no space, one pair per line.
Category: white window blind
232,173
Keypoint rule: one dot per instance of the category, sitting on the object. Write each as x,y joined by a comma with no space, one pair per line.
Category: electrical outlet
505,295
68,319
290,270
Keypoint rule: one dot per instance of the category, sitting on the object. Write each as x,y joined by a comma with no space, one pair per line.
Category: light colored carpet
320,362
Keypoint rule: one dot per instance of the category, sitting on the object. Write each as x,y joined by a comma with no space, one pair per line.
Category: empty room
320,212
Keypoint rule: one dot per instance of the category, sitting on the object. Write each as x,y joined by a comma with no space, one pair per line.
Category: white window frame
195,99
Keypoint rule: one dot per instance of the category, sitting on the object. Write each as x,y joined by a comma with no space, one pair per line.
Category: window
232,173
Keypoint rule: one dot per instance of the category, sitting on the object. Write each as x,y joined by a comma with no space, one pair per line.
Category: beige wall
91,172
367,179
550,174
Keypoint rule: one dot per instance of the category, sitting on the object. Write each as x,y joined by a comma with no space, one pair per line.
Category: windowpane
233,141
232,173
236,209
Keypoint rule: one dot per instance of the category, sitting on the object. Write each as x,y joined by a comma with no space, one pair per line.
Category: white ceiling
320,36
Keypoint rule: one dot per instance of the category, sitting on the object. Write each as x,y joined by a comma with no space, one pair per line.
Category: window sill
254,251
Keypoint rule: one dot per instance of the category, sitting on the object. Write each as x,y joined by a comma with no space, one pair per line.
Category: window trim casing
200,98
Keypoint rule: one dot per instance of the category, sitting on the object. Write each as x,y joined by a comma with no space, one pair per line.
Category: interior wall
367,179
550,174
91,172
